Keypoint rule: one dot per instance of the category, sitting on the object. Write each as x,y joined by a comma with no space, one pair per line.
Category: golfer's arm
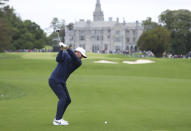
74,57
59,57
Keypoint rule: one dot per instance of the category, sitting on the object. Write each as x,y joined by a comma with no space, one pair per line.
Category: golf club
57,31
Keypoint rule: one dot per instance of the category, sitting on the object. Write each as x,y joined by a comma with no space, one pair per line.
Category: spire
98,13
98,1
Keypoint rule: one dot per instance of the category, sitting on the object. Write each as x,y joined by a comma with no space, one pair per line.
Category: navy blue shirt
67,63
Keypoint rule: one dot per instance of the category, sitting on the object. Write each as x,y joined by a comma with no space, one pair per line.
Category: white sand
141,61
105,62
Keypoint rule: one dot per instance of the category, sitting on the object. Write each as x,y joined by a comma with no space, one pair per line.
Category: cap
82,51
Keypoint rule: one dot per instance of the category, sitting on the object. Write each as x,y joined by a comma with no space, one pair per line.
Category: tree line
171,35
17,34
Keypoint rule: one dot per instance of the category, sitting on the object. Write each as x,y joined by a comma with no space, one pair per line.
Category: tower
98,13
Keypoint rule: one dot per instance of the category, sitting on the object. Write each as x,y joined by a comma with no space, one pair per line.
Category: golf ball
105,122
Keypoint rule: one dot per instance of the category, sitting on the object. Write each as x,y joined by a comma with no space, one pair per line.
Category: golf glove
61,44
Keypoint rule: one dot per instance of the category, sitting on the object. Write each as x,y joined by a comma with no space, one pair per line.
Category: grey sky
42,11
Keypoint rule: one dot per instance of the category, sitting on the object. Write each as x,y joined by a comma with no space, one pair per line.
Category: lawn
147,97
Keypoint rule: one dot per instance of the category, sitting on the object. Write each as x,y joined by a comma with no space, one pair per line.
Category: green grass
48,47
149,97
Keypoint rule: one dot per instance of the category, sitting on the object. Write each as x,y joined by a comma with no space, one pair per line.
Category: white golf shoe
60,122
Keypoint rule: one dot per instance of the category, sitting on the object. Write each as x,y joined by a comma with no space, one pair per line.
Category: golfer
68,61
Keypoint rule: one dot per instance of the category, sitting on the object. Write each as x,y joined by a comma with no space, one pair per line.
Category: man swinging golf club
68,61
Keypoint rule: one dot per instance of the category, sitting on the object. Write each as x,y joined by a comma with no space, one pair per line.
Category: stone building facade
104,36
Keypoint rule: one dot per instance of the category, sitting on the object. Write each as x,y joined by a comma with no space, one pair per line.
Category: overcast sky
43,11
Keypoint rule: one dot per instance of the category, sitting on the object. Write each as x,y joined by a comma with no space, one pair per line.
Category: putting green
148,97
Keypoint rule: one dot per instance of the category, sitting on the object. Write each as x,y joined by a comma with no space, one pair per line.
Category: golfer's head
80,53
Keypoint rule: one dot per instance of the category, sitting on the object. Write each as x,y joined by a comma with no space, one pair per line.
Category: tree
38,34
62,30
5,30
30,36
70,26
52,39
5,36
2,2
178,22
156,40
149,24
24,34
57,24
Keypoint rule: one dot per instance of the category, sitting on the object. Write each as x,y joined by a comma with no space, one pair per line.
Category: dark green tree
35,34
24,34
70,26
178,22
5,36
156,40
5,29
52,39
149,24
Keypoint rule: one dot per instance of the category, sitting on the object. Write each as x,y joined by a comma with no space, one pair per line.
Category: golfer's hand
63,46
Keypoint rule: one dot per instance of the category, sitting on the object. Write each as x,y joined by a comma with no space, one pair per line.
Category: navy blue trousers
61,92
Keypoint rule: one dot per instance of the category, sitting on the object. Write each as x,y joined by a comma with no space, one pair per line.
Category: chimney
137,24
117,20
124,22
110,19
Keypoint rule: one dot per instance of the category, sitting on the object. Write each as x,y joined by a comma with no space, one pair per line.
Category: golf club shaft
58,36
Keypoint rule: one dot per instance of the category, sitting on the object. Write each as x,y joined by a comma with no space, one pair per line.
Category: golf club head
58,31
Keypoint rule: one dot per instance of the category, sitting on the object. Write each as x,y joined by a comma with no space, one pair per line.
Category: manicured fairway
149,97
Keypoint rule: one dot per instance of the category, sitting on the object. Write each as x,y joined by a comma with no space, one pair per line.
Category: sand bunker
105,62
139,62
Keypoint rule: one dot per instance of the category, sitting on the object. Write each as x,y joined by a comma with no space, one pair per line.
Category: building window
101,37
71,38
134,39
83,46
97,38
82,38
95,48
127,47
127,31
117,48
92,37
134,32
127,40
82,32
135,48
106,47
92,32
117,39
118,32
109,31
